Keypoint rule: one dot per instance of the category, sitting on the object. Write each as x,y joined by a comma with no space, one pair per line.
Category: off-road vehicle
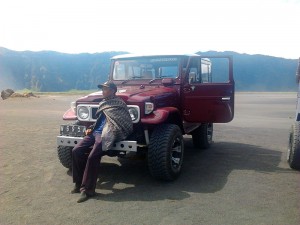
168,96
293,153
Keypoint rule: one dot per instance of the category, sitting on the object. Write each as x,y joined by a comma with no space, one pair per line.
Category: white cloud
250,26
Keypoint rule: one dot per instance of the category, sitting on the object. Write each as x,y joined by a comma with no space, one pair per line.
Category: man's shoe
83,197
76,189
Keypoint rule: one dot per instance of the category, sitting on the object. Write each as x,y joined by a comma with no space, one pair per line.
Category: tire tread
65,156
294,154
158,161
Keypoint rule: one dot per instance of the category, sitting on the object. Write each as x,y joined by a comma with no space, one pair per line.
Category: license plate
72,130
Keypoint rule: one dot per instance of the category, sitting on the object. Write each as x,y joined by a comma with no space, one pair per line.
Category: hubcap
290,147
209,132
176,153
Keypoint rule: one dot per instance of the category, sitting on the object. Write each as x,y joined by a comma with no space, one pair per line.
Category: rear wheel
293,154
65,156
165,153
202,136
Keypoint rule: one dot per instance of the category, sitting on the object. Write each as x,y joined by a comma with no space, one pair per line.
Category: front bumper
130,146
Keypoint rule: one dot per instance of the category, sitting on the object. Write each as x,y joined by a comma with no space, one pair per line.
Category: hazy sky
270,27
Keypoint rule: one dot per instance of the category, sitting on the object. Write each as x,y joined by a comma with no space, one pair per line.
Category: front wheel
293,153
165,153
65,156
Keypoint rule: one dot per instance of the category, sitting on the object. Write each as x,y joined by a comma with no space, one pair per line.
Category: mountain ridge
56,71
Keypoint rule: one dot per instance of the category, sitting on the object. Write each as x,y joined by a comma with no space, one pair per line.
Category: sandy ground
242,179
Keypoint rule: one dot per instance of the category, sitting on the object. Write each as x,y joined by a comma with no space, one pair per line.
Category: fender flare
69,115
159,116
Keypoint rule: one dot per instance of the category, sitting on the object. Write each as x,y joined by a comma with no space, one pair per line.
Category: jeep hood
135,94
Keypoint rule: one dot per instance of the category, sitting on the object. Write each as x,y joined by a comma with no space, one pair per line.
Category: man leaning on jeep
113,124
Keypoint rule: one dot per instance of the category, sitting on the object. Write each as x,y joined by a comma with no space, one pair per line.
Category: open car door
208,90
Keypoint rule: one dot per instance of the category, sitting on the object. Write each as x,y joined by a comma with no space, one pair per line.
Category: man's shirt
99,127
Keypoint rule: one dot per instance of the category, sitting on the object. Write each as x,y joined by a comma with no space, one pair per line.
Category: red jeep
168,96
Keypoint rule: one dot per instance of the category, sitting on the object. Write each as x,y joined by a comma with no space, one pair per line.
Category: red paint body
184,101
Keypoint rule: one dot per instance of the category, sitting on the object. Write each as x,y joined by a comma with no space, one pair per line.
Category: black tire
203,136
165,153
293,154
65,156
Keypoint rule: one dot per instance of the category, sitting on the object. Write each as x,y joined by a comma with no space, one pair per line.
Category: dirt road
242,179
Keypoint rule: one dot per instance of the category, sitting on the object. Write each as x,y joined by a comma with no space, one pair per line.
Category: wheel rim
209,132
176,153
289,148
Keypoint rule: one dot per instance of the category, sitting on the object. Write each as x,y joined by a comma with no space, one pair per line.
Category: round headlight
83,112
133,113
149,107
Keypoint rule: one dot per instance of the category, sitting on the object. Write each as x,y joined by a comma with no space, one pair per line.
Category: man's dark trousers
85,162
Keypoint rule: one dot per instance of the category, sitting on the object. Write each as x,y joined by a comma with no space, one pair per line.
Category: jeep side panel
206,101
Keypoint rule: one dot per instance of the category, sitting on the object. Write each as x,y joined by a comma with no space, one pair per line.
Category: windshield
146,68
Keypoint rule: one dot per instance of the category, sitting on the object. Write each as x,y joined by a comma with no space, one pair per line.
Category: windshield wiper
129,79
151,81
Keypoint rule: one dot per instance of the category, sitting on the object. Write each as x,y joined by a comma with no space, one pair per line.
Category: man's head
109,89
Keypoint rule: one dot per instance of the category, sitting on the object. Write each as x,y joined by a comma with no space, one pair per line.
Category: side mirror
192,77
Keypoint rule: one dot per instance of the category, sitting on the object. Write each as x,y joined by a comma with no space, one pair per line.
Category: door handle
226,98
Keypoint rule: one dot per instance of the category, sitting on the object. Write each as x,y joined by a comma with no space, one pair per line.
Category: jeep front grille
88,112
